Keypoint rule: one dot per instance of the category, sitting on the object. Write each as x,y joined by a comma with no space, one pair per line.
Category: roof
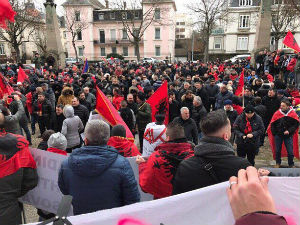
94,3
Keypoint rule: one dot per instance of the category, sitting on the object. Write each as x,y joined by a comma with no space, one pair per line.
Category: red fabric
140,88
276,59
291,65
105,108
248,128
294,93
125,147
291,42
216,76
221,68
22,76
118,72
6,13
239,109
270,78
278,115
297,101
159,102
117,101
22,159
29,102
57,151
156,175
233,77
261,219
5,88
240,89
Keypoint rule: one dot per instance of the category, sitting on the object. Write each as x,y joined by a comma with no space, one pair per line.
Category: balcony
113,41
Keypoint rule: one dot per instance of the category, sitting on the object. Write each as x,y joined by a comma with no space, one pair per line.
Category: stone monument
53,38
263,27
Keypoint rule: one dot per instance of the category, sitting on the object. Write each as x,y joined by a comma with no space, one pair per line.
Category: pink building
105,31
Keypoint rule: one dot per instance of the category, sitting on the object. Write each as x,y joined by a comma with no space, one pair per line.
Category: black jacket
127,116
216,151
272,105
47,111
174,110
204,97
198,113
82,112
261,111
190,129
212,91
232,115
58,122
285,123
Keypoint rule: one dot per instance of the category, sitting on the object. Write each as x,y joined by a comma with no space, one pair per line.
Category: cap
57,140
249,109
228,102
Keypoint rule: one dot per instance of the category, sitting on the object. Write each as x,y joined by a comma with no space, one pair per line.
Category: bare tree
284,17
22,29
295,5
139,15
75,24
208,13
41,41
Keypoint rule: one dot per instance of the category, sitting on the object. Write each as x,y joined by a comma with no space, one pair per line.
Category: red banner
6,13
159,102
240,88
22,76
105,108
5,88
291,42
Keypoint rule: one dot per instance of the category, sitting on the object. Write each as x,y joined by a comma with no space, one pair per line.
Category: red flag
22,76
291,42
277,115
159,102
5,88
105,108
240,88
6,13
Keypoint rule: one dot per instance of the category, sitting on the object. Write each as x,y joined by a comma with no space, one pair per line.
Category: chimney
125,4
106,4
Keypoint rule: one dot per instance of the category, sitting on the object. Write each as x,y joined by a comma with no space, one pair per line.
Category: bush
115,55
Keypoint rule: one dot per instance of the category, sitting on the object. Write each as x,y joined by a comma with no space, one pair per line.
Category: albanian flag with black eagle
291,42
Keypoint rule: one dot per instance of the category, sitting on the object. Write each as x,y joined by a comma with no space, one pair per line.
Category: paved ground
264,159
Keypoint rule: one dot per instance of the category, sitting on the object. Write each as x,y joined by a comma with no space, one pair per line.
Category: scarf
248,128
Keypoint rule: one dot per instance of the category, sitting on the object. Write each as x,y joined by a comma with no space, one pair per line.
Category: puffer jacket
97,177
66,97
71,127
12,121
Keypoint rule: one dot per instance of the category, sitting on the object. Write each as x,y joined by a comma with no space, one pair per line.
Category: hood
213,147
67,91
68,111
90,161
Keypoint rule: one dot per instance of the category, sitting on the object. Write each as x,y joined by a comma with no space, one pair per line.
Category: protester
57,143
232,115
214,159
89,97
87,174
119,141
127,115
66,96
58,118
198,113
81,111
43,145
157,172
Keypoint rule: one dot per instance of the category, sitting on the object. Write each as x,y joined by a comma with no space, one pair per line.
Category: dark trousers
211,104
27,132
288,142
244,150
141,138
43,124
34,120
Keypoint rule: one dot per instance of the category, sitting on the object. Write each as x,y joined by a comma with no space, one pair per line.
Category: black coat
216,151
174,110
133,106
58,122
272,105
202,93
188,103
261,111
82,112
232,115
199,113
212,91
285,123
190,129
127,116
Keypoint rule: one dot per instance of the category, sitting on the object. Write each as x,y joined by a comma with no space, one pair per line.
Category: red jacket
157,173
125,147
29,102
117,101
291,65
261,219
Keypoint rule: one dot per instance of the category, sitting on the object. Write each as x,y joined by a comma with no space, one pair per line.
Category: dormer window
245,2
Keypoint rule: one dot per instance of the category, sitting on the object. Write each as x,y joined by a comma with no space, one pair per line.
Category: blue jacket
98,178
221,97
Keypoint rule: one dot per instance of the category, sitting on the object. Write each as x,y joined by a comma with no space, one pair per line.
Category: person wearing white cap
57,143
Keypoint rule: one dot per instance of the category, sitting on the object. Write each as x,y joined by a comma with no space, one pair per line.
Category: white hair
97,132
198,99
183,109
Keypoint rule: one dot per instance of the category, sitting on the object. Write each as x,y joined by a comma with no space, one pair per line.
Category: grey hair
97,132
198,99
186,83
184,108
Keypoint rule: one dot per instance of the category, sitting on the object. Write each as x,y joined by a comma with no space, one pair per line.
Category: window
242,43
125,51
278,2
77,16
124,15
102,36
79,36
102,52
80,51
177,36
217,43
272,41
124,34
136,14
177,30
182,23
157,14
182,36
136,32
114,50
157,50
245,2
182,30
113,34
2,50
157,33
101,16
112,15
65,34
244,21
177,23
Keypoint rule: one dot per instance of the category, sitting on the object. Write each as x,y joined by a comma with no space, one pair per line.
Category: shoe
277,166
293,166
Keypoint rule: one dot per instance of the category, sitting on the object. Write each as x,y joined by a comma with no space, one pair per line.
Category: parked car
149,60
70,61
238,58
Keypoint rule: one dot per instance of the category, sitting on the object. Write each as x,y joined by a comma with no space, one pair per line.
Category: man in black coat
58,118
127,115
272,104
198,113
80,110
190,127
212,91
214,161
174,107
232,115
201,92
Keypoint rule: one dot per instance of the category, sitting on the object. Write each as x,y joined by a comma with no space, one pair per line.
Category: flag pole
243,98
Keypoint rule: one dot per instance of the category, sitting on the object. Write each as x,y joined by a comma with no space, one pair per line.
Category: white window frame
65,34
100,36
239,46
77,16
101,16
103,52
80,51
247,21
80,32
124,15
113,34
216,43
124,34
127,51
245,2
2,49
157,46
157,13
158,37
276,2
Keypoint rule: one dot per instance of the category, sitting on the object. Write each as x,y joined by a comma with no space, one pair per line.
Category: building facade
237,34
184,26
105,32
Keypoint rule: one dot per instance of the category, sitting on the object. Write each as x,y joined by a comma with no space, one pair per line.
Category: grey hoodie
71,127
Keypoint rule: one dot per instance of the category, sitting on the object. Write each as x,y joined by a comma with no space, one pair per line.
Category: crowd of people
196,149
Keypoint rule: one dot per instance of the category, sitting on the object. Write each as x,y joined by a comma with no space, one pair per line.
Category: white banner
204,206
46,195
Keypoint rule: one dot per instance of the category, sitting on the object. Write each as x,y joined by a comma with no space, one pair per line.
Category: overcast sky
180,4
